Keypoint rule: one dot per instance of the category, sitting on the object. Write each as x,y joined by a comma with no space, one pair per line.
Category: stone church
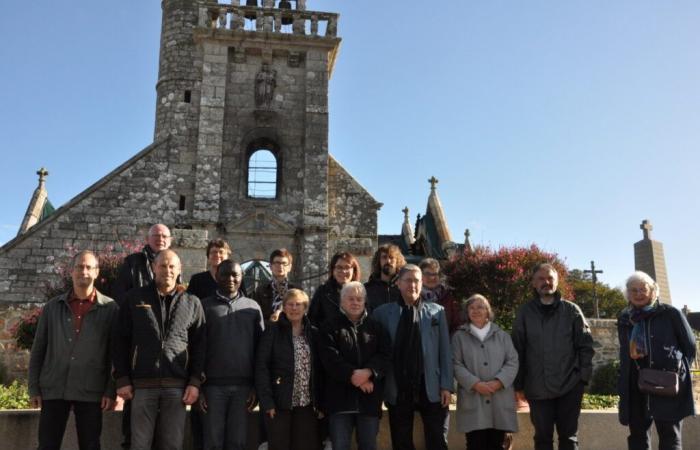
240,152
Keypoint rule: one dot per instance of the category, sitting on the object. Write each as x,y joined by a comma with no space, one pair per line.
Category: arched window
262,174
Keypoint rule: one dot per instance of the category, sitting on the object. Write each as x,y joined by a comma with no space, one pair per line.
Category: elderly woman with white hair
657,348
356,352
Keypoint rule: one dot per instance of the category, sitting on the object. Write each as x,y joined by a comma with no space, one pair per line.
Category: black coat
380,292
150,351
274,366
344,347
134,272
672,347
325,304
263,296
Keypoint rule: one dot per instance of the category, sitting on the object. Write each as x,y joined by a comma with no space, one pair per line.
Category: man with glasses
70,364
269,295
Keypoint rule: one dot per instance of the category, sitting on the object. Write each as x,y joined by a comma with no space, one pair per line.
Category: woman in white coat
485,365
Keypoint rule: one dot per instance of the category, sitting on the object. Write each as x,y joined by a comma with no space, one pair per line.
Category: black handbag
658,382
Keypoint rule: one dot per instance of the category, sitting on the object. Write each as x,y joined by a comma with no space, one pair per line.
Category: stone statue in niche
265,83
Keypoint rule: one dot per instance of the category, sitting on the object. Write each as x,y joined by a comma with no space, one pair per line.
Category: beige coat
474,361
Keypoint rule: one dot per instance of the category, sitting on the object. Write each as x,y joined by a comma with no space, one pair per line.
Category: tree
503,276
610,300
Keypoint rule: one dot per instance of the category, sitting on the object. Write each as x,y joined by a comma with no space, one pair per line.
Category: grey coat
494,358
63,366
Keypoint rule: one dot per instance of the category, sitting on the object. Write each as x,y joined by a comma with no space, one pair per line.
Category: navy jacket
672,346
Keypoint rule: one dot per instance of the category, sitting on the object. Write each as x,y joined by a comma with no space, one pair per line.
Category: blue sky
557,123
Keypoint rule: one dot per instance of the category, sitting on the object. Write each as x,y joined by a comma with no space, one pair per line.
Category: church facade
240,152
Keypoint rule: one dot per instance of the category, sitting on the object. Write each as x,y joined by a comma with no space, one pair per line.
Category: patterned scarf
638,339
279,289
433,295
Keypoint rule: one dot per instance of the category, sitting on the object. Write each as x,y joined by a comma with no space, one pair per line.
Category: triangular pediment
260,222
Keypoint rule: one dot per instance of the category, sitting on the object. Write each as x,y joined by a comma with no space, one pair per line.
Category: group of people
321,368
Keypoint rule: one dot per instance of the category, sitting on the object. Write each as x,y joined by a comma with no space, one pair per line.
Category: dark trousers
562,412
640,423
53,419
126,425
435,421
293,430
196,428
488,439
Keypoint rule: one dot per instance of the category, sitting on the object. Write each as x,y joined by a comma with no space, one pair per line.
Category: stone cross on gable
433,182
405,213
646,228
43,173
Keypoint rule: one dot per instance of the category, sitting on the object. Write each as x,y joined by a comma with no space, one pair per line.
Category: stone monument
649,258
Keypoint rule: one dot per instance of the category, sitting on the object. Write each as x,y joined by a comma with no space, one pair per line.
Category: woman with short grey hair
653,335
485,366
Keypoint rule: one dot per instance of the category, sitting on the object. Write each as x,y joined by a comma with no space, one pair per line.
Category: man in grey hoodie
234,325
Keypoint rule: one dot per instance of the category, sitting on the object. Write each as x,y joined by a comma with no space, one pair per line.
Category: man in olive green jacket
70,363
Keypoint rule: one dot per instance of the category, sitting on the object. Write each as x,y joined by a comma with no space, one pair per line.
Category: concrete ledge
597,431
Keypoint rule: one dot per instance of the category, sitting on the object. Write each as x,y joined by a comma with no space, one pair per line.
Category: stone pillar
211,123
649,258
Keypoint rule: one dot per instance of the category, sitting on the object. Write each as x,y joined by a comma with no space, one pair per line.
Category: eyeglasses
161,236
343,268
280,263
431,274
644,290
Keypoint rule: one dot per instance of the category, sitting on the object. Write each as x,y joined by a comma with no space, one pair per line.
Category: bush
592,401
502,275
14,396
604,380
23,332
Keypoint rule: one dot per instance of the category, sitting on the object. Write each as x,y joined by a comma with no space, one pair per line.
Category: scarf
433,295
408,353
279,289
480,332
638,338
150,257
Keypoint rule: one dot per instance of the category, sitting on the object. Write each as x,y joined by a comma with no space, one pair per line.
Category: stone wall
606,347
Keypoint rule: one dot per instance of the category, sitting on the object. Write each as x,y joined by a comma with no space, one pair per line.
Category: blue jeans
366,428
157,415
226,420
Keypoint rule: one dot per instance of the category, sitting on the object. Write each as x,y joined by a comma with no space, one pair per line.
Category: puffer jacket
157,350
672,347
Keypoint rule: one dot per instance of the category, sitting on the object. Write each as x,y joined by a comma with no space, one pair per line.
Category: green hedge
14,396
593,401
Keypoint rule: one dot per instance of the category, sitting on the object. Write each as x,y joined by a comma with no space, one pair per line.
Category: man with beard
555,350
159,355
234,326
70,365
136,271
381,288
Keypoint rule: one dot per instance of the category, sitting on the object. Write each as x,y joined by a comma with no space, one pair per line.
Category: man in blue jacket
422,364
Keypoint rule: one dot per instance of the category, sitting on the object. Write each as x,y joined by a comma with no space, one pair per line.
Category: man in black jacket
381,287
555,350
159,355
136,271
234,327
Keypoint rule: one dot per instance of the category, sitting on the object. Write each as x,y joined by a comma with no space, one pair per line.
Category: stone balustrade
268,19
